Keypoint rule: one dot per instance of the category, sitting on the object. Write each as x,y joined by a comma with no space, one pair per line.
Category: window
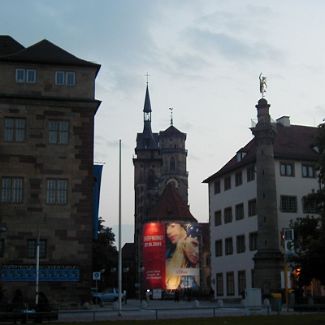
238,178
12,189
239,211
26,76
217,218
57,191
20,75
58,132
228,215
67,78
308,170
2,247
241,282
309,206
59,78
230,284
252,278
172,164
218,247
229,250
216,186
14,129
70,78
219,284
240,244
30,76
288,203
227,183
287,169
250,173
32,246
253,241
252,208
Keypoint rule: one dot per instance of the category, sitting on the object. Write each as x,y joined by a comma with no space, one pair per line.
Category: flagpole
37,268
119,238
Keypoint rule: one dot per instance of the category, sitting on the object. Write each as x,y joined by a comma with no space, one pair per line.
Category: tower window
172,164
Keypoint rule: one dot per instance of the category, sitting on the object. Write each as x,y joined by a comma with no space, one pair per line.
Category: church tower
268,259
159,159
174,154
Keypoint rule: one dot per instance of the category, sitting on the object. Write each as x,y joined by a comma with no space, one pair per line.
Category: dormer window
25,76
65,78
240,155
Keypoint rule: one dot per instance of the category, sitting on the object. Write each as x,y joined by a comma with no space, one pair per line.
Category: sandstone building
47,109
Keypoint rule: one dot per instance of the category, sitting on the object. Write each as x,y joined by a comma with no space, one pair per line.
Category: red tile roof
171,207
294,142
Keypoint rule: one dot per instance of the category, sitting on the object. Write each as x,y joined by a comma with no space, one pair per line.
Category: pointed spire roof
147,105
171,207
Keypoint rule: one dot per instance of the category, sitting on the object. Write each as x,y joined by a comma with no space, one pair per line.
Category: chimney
284,121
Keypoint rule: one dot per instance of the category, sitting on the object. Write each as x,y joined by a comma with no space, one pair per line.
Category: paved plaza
158,309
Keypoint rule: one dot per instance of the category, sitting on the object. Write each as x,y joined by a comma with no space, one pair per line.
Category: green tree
104,252
310,231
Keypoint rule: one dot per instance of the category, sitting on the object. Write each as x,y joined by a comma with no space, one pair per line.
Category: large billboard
171,255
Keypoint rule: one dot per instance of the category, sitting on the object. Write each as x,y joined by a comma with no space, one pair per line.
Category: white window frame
20,79
12,189
30,76
70,82
57,191
58,76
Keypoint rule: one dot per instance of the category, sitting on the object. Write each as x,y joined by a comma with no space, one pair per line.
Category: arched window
172,164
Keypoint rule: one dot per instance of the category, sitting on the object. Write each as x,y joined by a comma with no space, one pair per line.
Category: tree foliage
104,249
310,231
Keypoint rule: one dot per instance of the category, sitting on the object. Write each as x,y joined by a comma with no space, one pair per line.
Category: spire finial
147,75
171,115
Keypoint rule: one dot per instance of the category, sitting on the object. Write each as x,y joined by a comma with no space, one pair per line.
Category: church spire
148,138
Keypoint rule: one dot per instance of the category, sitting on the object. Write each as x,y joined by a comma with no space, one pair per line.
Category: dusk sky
203,57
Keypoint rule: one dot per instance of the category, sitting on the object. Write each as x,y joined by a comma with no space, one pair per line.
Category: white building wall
294,186
235,262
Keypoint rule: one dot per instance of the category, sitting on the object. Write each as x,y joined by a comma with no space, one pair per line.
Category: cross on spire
147,75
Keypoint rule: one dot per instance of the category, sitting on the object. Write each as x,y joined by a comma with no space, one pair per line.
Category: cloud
229,47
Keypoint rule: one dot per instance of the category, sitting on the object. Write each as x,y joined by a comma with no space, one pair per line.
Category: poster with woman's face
182,255
171,255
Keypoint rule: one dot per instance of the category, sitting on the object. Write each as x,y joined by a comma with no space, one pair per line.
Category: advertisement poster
154,255
171,255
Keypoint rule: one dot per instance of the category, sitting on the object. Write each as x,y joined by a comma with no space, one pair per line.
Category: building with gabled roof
253,198
47,110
